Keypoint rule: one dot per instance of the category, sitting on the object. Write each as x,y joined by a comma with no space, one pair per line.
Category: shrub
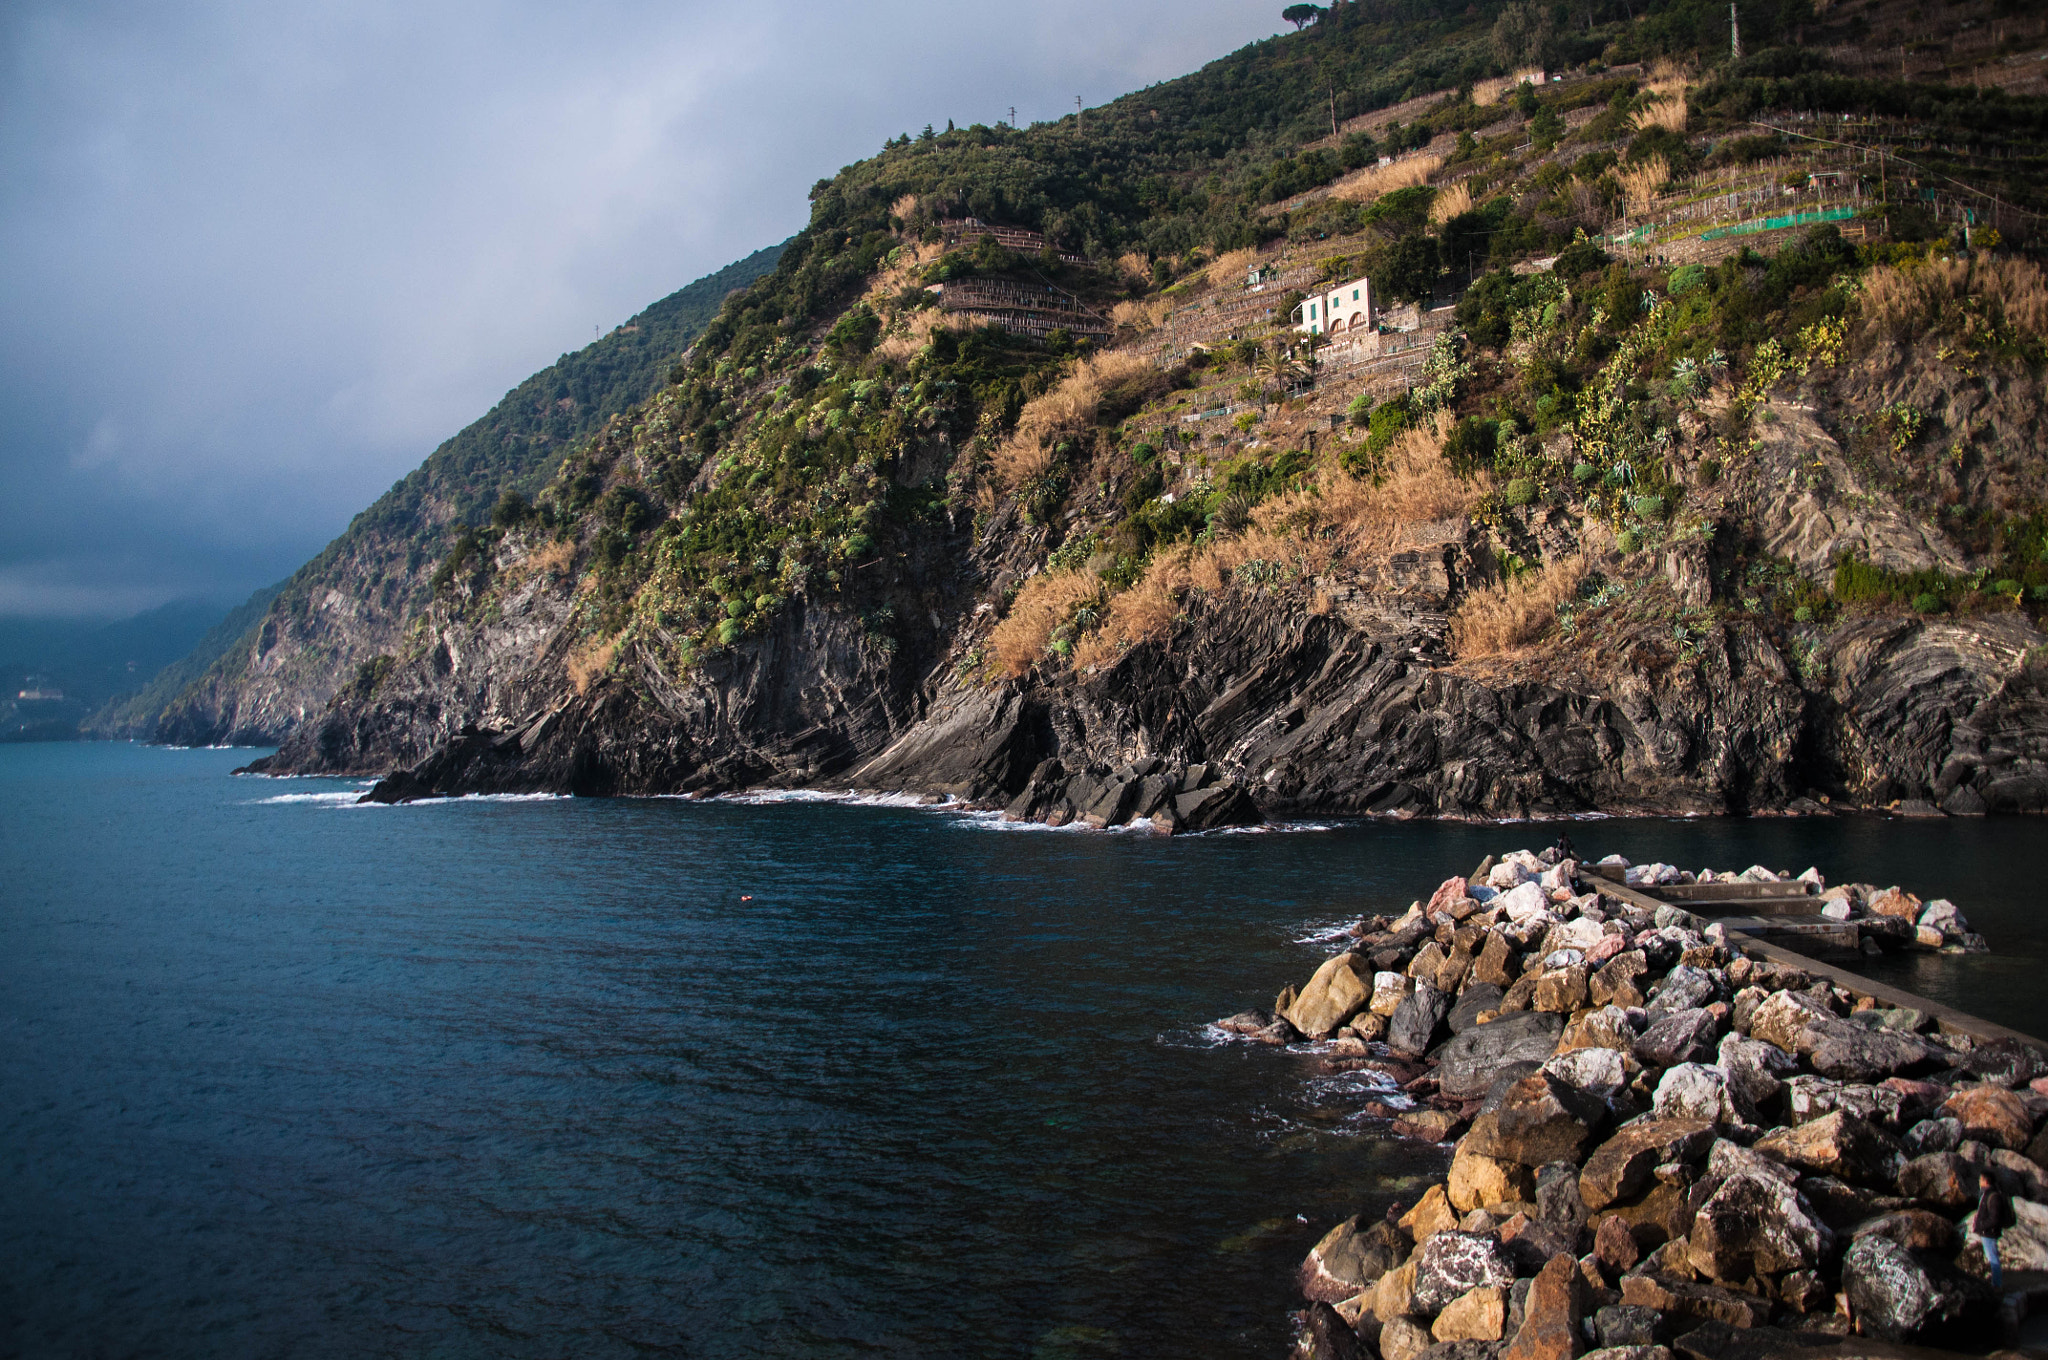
1685,278
1580,257
1648,507
1628,540
1521,491
1471,445
1584,473
1803,614
731,631
1927,602
1360,409
1710,470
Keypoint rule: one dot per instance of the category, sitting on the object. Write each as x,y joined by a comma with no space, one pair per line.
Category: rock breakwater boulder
1666,1142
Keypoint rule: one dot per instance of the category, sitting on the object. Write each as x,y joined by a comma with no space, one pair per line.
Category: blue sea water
544,1077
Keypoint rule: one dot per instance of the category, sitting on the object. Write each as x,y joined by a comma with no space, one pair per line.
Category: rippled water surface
282,1076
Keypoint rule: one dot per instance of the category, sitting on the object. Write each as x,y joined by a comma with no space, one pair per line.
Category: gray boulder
1479,996
1683,1036
1417,1020
1468,1064
1894,1294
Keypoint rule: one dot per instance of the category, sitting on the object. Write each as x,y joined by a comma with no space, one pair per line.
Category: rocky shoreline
1661,1143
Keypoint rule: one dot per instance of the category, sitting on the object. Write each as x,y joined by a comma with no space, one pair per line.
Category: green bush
1685,278
1803,614
1584,473
1472,444
1628,540
2005,585
1521,491
735,608
1927,602
1360,409
731,631
1648,507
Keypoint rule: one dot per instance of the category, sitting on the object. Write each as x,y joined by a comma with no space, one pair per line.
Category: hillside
357,597
1683,460
74,667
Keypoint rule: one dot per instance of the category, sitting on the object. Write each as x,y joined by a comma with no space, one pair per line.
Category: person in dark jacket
1987,1222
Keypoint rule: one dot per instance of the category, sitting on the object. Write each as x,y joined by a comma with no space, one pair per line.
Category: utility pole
1734,33
1333,110
1080,115
1013,117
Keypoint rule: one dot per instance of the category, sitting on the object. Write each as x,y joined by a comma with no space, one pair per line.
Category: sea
787,1075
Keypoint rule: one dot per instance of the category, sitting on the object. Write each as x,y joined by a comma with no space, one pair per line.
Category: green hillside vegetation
790,450
136,713
386,551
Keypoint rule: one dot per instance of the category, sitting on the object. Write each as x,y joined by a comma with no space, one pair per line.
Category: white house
1337,311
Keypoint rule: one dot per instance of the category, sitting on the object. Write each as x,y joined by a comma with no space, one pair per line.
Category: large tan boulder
1332,996
1477,1180
1476,1315
1622,1166
1432,1214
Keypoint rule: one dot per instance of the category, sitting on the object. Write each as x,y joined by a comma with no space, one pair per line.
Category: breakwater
1665,1133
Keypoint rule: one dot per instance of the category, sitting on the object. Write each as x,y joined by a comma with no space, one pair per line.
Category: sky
257,259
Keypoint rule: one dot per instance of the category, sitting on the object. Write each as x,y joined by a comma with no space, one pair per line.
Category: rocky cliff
357,599
1718,527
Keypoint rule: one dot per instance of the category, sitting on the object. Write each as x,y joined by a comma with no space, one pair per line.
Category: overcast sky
260,259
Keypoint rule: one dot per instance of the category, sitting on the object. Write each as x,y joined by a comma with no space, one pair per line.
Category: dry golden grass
1667,108
1134,267
588,664
1369,183
1067,409
551,558
1493,91
1230,266
1515,613
901,346
892,279
1912,300
1450,203
1640,182
1146,611
1041,606
1140,314
1365,517
904,207
1304,532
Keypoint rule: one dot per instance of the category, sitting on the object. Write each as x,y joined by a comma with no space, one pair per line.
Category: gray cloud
262,259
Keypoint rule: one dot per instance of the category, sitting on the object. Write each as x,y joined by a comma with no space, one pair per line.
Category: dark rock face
1256,706
1468,1065
1417,1020
1681,1037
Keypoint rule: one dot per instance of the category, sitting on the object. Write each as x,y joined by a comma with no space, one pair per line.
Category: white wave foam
846,797
332,798
1324,934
